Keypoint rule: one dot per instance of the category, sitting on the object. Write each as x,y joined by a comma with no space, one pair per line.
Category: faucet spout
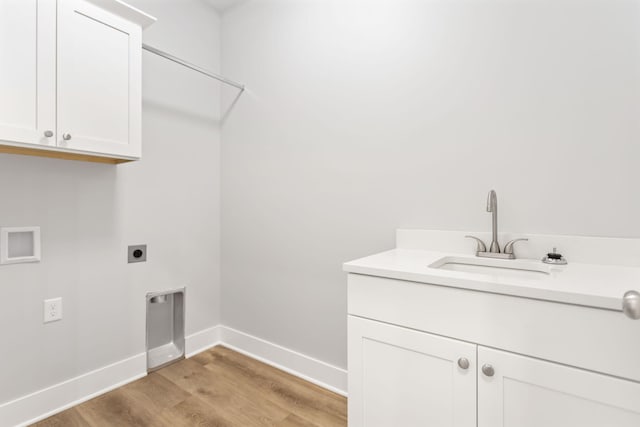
492,206
494,248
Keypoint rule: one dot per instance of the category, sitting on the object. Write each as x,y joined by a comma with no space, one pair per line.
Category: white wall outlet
52,310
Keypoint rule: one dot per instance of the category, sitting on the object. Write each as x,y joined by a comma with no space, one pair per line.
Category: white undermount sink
522,269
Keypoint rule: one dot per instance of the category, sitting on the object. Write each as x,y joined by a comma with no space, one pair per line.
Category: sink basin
520,269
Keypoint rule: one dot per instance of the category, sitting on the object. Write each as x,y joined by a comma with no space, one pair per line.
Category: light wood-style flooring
218,387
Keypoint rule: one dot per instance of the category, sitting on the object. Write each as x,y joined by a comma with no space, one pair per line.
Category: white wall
89,213
362,117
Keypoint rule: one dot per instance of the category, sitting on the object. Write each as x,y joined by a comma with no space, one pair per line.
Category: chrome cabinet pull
463,362
66,136
488,370
631,304
48,133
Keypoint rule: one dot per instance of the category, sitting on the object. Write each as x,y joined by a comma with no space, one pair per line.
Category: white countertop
587,284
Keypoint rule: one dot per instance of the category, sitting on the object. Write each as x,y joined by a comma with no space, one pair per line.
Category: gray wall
362,117
89,213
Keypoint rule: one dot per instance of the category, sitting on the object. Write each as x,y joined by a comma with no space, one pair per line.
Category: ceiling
223,5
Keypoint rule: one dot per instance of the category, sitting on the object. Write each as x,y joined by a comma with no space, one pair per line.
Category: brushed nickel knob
48,133
463,362
631,304
488,370
66,136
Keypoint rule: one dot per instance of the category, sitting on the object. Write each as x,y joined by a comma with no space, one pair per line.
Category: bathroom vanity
476,345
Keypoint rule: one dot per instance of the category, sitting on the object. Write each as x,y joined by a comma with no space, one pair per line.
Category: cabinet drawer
594,339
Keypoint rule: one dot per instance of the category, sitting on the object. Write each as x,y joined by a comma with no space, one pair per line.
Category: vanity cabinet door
99,80
402,377
527,392
27,72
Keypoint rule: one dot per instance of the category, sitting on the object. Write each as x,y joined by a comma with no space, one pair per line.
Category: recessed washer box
165,328
19,245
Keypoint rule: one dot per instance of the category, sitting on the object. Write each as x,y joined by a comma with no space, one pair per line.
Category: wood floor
218,387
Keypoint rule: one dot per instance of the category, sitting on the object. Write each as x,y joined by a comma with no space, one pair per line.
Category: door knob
66,136
488,370
631,304
463,362
48,133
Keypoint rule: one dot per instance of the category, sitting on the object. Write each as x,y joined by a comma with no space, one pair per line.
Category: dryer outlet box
137,253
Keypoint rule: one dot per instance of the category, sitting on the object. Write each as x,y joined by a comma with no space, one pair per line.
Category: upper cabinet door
402,377
99,80
27,71
527,392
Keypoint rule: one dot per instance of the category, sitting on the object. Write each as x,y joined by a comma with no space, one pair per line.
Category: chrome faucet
492,206
494,247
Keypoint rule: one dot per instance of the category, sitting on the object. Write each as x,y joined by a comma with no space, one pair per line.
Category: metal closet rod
193,67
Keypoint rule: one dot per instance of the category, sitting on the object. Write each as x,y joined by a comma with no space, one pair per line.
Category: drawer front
599,340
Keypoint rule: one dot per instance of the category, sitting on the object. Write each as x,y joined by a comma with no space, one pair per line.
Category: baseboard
51,400
202,340
298,364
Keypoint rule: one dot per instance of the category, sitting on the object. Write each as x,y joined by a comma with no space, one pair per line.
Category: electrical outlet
137,253
52,310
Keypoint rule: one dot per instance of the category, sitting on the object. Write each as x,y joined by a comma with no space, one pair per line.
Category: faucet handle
481,246
508,248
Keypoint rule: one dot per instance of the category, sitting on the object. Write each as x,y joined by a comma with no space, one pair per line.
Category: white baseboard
51,400
298,364
202,340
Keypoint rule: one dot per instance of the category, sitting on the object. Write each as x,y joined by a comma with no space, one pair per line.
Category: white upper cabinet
70,78
99,80
27,71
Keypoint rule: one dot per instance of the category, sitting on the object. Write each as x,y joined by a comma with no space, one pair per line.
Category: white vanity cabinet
70,79
427,355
